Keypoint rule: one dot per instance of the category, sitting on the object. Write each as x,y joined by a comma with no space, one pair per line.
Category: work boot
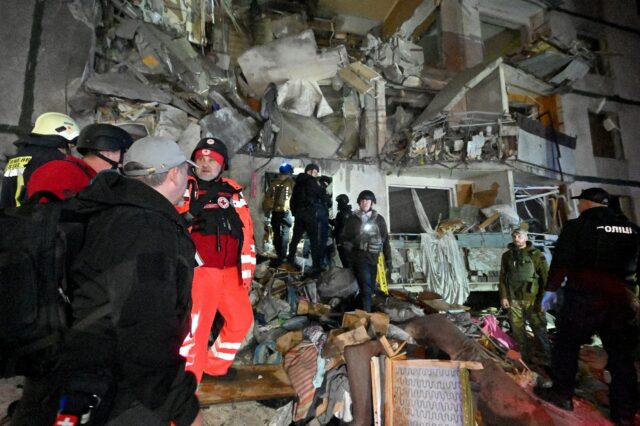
550,395
228,376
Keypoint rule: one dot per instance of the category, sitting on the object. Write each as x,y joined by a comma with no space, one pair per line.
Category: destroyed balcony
493,113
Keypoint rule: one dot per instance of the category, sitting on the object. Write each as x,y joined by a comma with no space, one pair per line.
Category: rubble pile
302,325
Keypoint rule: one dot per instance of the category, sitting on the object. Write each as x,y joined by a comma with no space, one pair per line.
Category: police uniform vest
369,239
521,274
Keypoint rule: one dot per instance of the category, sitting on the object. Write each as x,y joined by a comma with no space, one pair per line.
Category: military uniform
276,202
523,274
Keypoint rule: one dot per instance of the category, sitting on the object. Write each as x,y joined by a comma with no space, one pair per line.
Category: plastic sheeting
444,267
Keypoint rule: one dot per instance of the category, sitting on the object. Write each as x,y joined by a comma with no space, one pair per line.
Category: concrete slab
15,31
65,46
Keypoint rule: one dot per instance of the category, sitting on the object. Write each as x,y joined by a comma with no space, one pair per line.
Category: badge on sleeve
223,202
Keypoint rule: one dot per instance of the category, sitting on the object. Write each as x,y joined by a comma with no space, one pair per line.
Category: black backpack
38,245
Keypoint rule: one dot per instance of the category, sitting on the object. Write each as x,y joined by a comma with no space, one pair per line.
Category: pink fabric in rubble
491,328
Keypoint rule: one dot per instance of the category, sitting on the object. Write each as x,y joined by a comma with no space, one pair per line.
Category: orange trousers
213,290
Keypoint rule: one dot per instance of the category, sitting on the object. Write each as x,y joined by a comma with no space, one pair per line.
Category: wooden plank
469,365
252,383
376,390
464,193
489,220
386,346
401,11
388,391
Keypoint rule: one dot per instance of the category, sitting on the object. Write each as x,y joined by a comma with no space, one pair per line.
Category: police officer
309,204
50,139
222,231
365,236
523,275
277,204
344,211
598,255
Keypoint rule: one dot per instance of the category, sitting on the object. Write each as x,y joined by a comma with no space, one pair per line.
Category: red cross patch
223,202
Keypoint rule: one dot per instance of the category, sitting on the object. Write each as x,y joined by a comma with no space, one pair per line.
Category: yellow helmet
56,124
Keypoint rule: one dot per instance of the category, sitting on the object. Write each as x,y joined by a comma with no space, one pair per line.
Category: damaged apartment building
466,118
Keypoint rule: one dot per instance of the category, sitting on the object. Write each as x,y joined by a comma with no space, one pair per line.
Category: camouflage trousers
522,313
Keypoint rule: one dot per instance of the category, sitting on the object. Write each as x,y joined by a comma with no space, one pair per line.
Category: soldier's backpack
281,195
38,245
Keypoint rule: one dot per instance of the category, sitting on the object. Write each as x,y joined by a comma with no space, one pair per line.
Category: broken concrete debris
289,58
334,89
326,353
172,55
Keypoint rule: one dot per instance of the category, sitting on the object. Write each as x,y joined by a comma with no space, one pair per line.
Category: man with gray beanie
132,282
597,253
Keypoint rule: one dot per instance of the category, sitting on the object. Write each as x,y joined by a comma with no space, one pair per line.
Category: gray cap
156,154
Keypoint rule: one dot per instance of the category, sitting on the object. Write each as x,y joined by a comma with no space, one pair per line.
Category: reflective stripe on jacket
248,251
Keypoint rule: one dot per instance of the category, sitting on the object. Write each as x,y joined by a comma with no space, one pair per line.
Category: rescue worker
277,204
133,285
50,139
365,236
102,146
597,253
223,234
309,204
523,275
344,211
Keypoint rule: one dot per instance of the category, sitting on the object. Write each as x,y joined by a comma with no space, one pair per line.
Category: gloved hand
548,300
325,180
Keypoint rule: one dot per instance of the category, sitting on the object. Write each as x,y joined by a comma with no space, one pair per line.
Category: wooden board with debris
252,383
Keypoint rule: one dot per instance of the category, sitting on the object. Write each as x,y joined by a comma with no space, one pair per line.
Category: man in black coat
344,211
598,255
310,207
136,266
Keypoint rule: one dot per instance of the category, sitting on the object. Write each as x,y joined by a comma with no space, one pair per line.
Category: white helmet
56,124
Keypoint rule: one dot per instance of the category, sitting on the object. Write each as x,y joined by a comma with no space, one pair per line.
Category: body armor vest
370,239
522,276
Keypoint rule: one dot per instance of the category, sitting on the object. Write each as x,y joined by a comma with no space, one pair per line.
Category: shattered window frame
424,194
605,143
597,45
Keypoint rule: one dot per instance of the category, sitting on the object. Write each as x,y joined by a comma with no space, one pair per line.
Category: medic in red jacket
222,230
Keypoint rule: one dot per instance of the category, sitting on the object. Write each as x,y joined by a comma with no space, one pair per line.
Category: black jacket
308,192
137,257
351,239
340,220
33,151
599,247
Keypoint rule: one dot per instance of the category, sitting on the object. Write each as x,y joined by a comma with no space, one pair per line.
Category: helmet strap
115,165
